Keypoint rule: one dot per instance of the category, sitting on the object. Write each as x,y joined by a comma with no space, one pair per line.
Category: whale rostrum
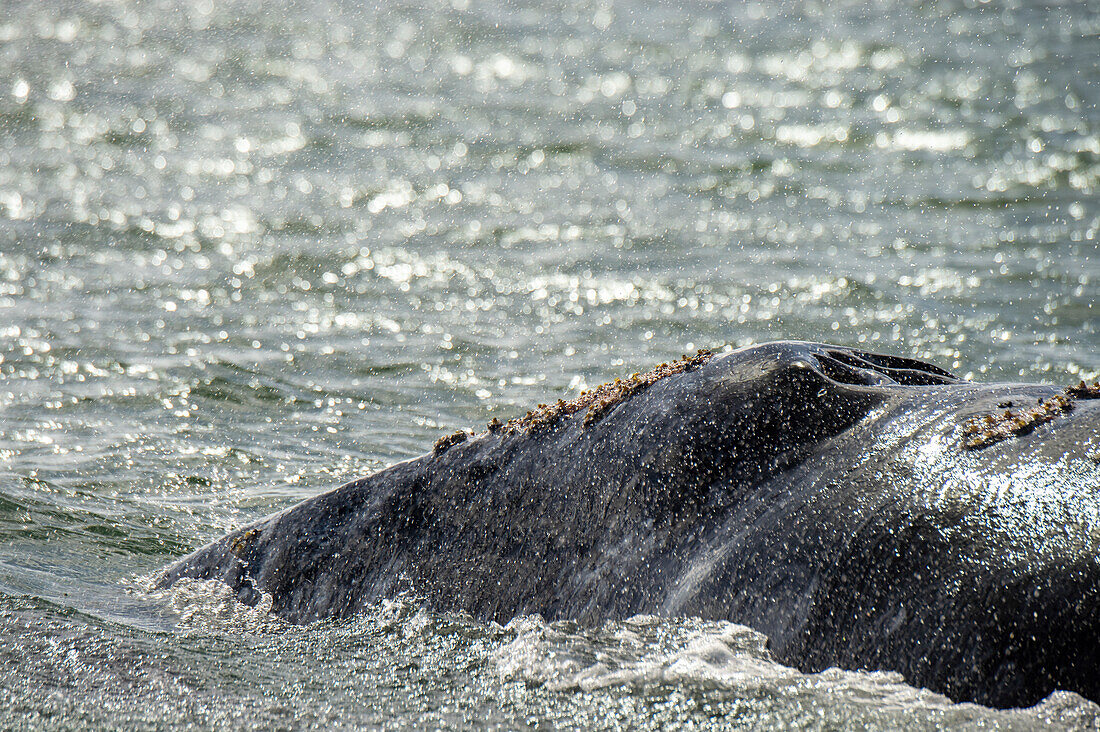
861,510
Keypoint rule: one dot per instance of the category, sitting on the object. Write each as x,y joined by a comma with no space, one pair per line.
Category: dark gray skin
818,494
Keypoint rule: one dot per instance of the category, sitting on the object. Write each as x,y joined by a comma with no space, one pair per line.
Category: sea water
252,250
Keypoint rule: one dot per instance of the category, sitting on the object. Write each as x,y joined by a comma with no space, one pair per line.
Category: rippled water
251,250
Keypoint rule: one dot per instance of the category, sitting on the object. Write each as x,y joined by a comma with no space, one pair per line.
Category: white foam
648,652
211,605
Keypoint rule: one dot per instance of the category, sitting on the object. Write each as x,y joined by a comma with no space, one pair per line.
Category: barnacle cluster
443,443
242,542
597,401
987,429
602,398
1085,391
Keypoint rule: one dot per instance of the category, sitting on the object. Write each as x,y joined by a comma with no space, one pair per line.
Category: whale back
822,495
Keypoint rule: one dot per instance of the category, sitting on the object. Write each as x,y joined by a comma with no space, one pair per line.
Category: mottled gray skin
817,494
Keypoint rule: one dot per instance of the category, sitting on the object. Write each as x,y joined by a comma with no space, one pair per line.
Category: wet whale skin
819,494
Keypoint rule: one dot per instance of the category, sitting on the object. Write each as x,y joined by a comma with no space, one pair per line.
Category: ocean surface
252,250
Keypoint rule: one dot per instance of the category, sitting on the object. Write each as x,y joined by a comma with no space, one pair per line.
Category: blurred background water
249,251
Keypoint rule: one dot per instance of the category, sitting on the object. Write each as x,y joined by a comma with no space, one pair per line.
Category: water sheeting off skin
821,495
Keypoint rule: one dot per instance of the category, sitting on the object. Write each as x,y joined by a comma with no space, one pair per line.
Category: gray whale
861,510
